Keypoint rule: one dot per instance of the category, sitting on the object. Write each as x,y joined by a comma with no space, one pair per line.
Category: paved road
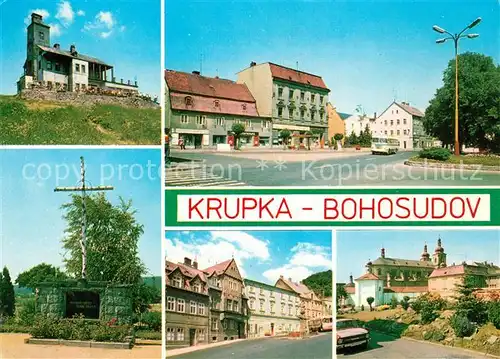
189,174
386,347
334,170
319,347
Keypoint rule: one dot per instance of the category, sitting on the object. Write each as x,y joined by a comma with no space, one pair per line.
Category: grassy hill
152,281
43,123
320,283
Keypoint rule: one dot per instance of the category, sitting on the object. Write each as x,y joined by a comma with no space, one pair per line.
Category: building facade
294,100
311,304
273,311
336,123
201,111
357,124
53,68
404,122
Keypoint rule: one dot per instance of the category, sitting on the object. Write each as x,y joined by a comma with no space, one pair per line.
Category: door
272,329
197,141
239,330
404,144
192,337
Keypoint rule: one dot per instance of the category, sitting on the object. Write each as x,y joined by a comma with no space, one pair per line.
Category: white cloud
44,13
65,13
296,273
55,30
80,13
104,25
218,247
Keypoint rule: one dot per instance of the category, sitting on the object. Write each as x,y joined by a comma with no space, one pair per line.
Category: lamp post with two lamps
456,38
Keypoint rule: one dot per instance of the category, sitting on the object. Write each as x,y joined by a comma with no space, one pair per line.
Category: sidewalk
173,352
177,150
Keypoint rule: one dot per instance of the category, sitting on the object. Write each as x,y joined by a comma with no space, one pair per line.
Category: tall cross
83,188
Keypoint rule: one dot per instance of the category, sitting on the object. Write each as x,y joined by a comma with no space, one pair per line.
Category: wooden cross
83,188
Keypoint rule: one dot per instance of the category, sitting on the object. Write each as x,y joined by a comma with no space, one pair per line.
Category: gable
233,271
283,285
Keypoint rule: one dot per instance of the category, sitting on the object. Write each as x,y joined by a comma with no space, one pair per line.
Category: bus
386,145
326,324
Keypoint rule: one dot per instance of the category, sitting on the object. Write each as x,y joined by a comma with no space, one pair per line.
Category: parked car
351,333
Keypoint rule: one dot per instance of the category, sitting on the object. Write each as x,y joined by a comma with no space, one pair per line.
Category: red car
350,333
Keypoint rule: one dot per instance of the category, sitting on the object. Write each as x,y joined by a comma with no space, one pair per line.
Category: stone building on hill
52,68
311,304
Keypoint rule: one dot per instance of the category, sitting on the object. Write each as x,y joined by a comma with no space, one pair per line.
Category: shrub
461,325
394,303
148,335
433,300
26,312
405,303
494,313
152,320
362,307
428,314
434,335
435,153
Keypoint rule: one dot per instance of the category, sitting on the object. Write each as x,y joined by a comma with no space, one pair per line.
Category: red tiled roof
207,86
289,74
419,289
350,290
448,271
410,109
218,268
207,104
368,276
185,270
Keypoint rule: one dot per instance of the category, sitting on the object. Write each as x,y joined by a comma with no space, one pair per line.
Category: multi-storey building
404,122
201,111
273,310
311,304
327,306
187,304
56,69
336,122
294,100
357,124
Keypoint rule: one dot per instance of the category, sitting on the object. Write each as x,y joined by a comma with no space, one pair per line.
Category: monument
76,297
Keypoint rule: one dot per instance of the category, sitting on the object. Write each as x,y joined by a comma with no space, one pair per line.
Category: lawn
43,123
483,160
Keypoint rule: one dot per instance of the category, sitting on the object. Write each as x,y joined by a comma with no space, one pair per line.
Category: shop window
180,334
170,334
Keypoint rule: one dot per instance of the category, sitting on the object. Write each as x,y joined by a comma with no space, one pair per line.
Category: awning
191,131
290,127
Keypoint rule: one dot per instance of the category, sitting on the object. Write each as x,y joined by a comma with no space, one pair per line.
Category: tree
309,133
370,301
320,283
238,129
7,295
478,107
352,140
38,274
467,304
365,137
338,136
285,135
112,237
341,292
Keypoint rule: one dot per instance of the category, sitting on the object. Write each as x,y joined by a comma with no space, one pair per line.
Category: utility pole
83,189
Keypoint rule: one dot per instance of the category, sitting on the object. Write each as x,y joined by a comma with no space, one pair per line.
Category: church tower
38,34
439,256
426,257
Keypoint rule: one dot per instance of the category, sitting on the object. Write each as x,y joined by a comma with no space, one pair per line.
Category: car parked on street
351,333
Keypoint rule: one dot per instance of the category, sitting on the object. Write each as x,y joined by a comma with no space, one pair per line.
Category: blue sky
261,255
355,248
368,52
31,226
123,33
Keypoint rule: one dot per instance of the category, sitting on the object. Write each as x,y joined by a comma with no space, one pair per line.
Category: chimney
36,18
216,77
196,73
72,49
57,46
351,280
253,63
374,115
195,265
289,279
281,277
382,252
187,261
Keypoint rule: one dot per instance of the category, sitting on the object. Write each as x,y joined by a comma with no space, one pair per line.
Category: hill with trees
320,283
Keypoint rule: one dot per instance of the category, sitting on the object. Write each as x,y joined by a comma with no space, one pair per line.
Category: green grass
466,160
148,335
43,123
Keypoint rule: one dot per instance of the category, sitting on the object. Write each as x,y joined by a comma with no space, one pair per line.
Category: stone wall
115,300
86,99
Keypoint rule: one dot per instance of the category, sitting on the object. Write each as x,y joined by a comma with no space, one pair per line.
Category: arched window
216,103
189,101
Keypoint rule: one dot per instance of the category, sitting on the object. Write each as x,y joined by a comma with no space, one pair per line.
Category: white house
357,124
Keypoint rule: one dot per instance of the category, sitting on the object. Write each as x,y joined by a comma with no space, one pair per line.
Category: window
77,67
265,124
321,100
171,303
392,122
302,114
289,309
397,111
184,119
83,69
201,309
385,122
251,304
261,305
282,308
41,35
280,92
272,307
290,113
398,121
290,94
215,324
397,132
219,121
404,121
201,120
177,281
313,114
192,307
201,334
217,103
302,95
229,305
404,132
261,290
188,100
385,132
180,334
313,97
280,111
170,334
197,287
236,306
58,66
181,305
247,124
392,132
49,65
244,106
252,289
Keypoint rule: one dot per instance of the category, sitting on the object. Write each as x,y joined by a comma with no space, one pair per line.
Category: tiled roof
289,74
402,262
185,270
368,276
208,105
68,54
218,268
410,109
416,289
299,288
350,290
448,271
207,86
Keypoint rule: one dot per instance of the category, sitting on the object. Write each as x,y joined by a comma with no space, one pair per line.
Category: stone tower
439,256
38,33
426,257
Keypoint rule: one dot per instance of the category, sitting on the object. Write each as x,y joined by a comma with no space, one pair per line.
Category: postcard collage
251,179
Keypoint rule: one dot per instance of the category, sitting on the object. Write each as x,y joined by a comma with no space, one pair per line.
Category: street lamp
455,38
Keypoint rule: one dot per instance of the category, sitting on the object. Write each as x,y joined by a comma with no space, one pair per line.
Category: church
52,68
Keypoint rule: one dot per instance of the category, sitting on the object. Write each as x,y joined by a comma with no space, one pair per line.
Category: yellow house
335,122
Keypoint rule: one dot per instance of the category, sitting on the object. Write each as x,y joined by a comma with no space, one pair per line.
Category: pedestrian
181,144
